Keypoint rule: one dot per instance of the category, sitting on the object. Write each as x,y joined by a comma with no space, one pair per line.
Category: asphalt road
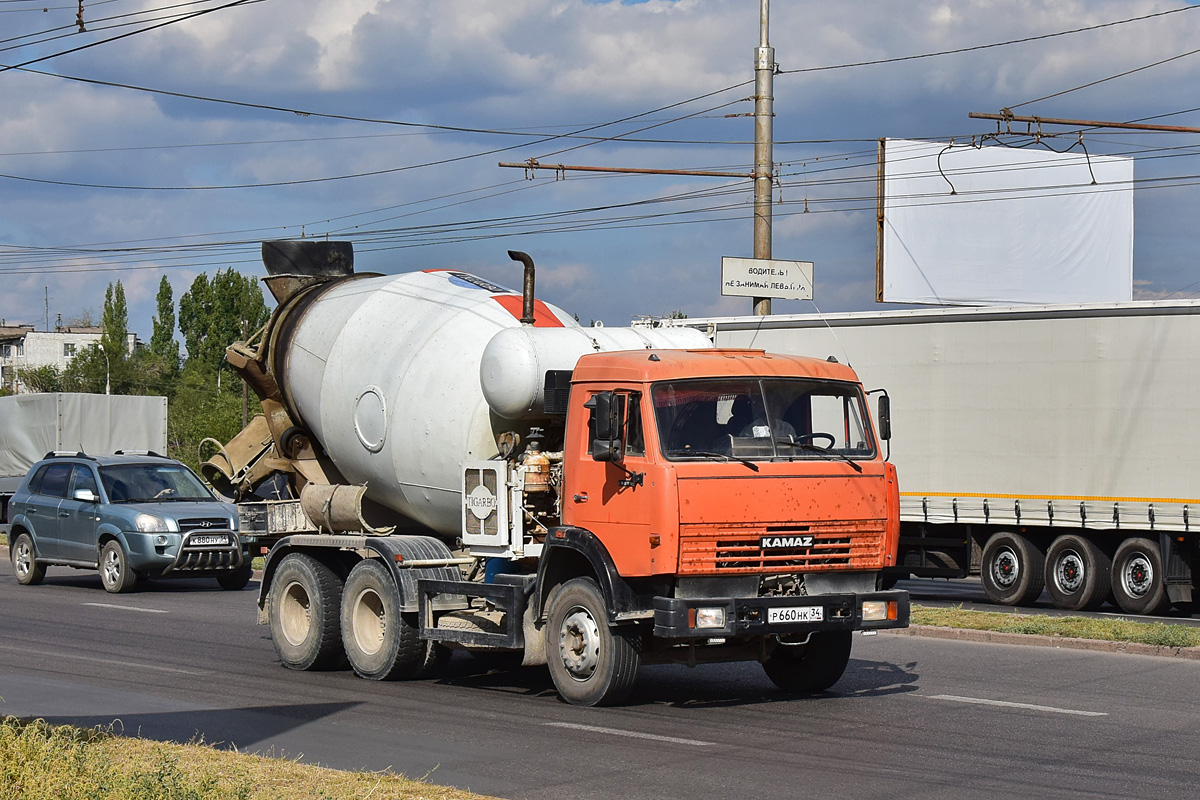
913,717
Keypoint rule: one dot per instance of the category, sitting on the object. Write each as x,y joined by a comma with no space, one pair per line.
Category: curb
1040,640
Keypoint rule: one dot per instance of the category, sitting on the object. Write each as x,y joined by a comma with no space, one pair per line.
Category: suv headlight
147,523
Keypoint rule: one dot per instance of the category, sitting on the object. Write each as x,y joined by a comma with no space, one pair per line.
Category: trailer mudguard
341,553
576,552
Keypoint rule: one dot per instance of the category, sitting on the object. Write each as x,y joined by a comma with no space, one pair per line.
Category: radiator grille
204,523
489,525
732,549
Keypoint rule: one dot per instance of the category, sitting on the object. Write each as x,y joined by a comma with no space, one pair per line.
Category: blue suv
130,515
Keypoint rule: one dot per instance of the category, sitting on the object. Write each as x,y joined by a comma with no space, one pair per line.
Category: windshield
138,483
761,419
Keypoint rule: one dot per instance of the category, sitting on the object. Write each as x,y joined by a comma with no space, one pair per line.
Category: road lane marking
111,661
127,608
629,734
1005,704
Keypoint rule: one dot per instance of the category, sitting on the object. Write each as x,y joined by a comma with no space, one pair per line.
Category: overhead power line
973,48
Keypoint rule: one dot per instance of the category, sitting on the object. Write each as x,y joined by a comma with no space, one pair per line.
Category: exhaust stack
526,287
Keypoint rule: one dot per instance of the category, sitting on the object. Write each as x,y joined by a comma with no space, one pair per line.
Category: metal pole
764,80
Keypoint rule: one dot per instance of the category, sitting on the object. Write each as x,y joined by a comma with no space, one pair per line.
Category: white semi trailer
1044,446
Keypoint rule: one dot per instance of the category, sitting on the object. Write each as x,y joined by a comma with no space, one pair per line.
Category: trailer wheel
591,663
811,667
1012,571
28,571
383,643
303,601
1077,574
1137,577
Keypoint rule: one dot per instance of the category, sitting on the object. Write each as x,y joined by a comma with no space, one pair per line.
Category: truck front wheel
591,663
1077,574
811,667
1013,569
1137,579
382,642
304,599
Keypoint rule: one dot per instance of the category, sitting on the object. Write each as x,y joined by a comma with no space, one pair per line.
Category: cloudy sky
409,105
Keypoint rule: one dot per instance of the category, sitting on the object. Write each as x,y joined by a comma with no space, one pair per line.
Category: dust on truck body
480,472
1041,446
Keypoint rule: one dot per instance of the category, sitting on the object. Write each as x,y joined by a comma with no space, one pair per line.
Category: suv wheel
26,567
115,573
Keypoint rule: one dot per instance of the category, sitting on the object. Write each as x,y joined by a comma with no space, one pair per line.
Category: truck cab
707,505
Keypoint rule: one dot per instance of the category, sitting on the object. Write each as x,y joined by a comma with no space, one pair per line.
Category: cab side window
630,404
635,440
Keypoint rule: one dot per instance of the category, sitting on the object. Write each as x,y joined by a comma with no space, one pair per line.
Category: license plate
202,541
796,614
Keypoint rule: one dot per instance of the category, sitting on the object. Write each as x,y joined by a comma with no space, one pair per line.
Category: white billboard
966,225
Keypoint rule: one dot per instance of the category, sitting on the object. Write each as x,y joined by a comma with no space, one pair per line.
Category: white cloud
547,65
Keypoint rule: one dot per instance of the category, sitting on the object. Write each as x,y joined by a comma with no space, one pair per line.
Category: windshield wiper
826,454
721,456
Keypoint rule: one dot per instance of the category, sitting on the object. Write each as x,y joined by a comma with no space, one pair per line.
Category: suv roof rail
138,453
68,454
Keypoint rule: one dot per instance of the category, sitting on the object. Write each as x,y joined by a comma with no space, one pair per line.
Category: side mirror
608,413
86,496
885,417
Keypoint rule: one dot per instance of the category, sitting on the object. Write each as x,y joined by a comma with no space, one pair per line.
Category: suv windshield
139,483
761,419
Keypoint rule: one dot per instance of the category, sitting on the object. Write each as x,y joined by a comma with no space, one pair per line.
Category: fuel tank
402,378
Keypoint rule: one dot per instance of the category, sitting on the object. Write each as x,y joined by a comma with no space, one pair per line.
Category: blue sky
514,75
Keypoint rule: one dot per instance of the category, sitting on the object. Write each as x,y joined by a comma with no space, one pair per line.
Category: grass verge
1113,630
50,762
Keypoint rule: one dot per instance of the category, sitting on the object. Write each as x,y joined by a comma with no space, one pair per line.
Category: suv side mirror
608,412
86,496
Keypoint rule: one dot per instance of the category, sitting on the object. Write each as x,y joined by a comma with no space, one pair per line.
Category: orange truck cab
716,505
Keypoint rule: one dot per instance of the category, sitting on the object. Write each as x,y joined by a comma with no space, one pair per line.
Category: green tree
162,340
115,322
211,314
46,378
198,410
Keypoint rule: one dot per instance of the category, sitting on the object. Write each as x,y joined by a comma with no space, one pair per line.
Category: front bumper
676,618
191,552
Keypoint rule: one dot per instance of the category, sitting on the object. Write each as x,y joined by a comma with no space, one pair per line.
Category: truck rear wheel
383,643
1137,577
591,663
304,600
28,571
1077,574
1013,569
811,667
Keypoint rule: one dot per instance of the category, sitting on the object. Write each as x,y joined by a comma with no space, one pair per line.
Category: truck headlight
147,523
707,617
878,610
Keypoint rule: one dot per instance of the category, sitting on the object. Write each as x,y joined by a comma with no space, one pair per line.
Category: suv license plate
201,541
796,614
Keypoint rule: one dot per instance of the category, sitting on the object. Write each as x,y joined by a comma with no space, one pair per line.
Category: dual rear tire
320,621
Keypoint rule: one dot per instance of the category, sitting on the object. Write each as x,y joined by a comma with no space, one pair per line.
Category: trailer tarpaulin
35,424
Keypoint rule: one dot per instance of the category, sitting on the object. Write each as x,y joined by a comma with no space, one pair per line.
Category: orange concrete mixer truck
455,465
